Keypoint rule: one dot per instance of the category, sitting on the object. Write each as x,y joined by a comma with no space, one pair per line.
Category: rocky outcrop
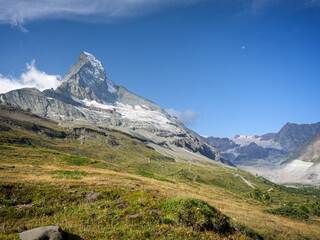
47,232
254,154
223,144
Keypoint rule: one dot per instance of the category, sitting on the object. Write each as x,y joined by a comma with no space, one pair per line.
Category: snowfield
133,113
245,140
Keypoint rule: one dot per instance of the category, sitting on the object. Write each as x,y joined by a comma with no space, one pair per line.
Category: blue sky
234,68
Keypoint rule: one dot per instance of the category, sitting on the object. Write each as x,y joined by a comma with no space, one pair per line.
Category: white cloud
188,117
17,12
259,6
31,78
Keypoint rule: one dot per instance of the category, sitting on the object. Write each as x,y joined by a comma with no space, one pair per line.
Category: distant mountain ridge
87,97
292,135
292,154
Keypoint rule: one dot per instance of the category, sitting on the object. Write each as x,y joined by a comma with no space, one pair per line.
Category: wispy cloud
188,117
32,77
259,6
18,12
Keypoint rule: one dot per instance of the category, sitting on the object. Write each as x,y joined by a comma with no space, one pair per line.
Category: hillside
99,183
309,151
302,165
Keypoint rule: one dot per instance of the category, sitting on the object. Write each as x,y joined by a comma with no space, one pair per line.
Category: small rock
270,190
154,210
23,206
47,232
123,205
134,216
2,227
311,219
119,200
12,167
91,196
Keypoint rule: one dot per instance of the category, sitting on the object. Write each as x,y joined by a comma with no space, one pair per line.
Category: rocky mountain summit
292,135
87,97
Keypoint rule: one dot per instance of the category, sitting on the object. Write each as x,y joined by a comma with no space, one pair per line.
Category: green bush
289,212
196,214
166,220
304,208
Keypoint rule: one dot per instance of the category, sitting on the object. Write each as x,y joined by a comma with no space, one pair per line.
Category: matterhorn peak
92,71
88,57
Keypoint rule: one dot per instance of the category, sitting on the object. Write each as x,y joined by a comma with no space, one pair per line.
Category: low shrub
289,211
197,214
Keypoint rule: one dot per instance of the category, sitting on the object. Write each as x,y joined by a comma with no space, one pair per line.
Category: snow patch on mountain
299,171
94,62
244,140
135,113
296,167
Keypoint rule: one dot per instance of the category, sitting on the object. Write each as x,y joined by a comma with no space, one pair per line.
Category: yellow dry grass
237,207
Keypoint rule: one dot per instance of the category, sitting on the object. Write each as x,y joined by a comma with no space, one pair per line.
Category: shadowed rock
47,232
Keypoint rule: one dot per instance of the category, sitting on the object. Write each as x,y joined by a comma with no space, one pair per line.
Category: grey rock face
223,144
87,97
254,154
47,232
268,136
308,152
247,150
292,136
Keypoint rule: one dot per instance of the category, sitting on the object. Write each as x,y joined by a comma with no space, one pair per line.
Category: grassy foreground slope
98,183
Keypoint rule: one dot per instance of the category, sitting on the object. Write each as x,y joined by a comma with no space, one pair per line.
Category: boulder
91,196
47,232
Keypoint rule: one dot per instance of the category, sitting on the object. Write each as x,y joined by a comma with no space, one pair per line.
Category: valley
47,172
104,163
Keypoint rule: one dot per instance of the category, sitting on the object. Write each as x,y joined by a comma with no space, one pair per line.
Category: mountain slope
99,183
87,97
302,165
292,136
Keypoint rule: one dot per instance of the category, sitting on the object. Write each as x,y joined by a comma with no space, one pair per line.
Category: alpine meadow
227,147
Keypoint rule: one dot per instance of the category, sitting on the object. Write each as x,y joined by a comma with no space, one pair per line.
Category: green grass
76,160
288,211
126,207
132,178
69,174
5,148
115,214
151,175
196,214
